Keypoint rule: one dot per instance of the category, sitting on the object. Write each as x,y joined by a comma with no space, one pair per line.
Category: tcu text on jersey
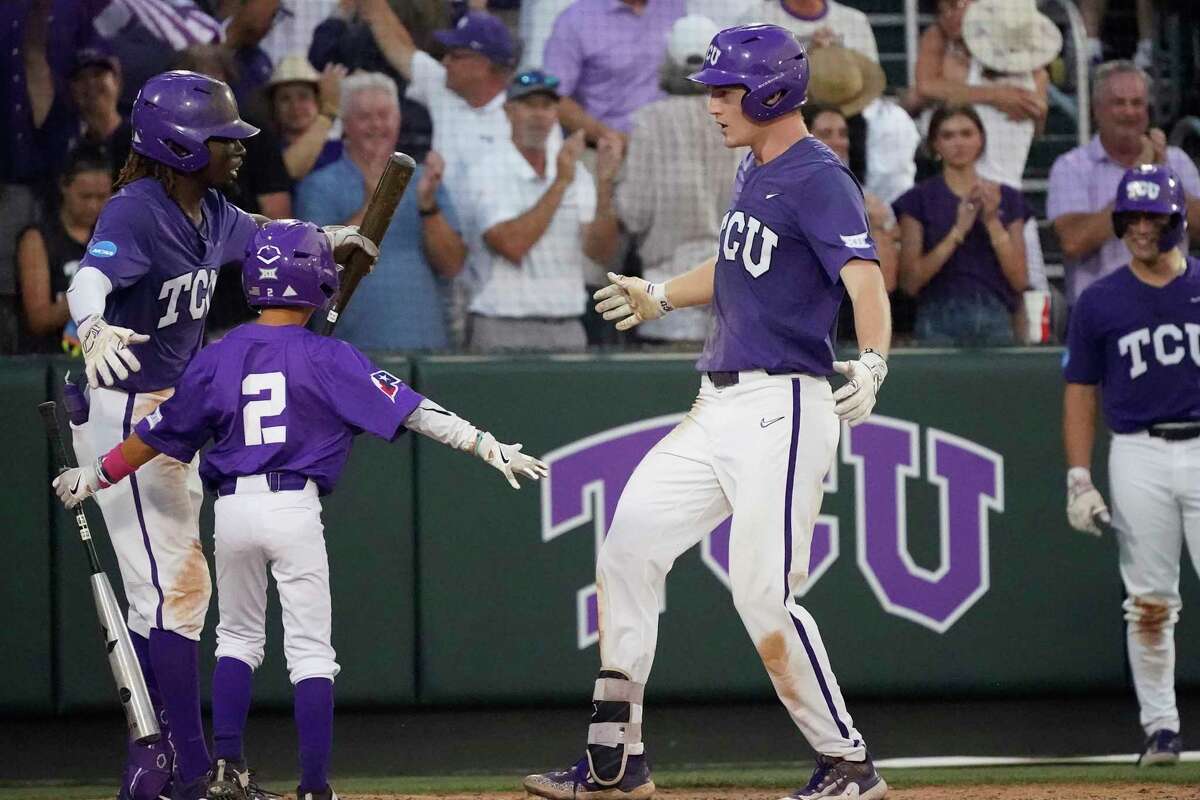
747,229
200,284
1166,343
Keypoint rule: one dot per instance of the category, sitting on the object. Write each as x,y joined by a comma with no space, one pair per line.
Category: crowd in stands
558,140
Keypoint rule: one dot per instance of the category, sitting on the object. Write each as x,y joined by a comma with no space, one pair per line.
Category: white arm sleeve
430,419
87,294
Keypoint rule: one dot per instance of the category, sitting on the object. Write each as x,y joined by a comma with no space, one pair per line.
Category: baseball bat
376,218
131,686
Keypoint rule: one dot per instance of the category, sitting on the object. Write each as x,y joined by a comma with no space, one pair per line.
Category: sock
231,687
175,660
314,724
141,646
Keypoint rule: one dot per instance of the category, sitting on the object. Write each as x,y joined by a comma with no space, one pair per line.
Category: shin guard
616,724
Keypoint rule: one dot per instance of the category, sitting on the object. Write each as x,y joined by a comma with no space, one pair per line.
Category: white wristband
659,292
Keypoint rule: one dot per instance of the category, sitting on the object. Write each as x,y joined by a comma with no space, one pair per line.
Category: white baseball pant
1156,505
759,450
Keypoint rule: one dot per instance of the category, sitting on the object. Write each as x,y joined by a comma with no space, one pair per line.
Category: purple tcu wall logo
588,475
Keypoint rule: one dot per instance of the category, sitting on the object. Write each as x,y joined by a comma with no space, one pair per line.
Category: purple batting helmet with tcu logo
766,59
176,112
289,263
1152,189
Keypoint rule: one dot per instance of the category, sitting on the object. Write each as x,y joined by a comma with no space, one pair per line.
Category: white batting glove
1085,504
632,301
77,484
345,239
853,401
106,351
509,459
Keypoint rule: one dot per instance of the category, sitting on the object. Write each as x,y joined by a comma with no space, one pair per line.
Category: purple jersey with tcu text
277,399
1141,344
163,269
794,223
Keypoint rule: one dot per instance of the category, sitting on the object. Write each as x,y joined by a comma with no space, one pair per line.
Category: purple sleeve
239,228
1084,360
563,57
365,397
182,424
121,244
836,228
1013,206
909,203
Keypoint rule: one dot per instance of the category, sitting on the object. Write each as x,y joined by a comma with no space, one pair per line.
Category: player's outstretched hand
77,484
631,301
345,239
106,354
509,460
1086,509
853,401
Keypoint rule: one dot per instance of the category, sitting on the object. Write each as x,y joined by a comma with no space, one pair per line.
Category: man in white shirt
540,215
818,23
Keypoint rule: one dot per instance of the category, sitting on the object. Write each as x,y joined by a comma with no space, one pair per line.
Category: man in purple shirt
282,406
763,432
1135,337
1079,201
607,55
140,299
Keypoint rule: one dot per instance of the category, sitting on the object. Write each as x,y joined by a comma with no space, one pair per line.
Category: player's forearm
514,238
444,427
872,310
694,287
1009,246
1083,234
87,295
1079,424
445,249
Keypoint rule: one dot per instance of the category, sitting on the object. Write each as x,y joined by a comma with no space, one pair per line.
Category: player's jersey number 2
274,386
194,289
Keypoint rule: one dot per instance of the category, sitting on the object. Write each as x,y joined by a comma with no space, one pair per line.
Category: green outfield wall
942,562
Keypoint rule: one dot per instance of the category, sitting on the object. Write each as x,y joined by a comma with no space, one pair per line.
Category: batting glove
631,301
1086,509
77,484
106,351
853,401
509,459
345,239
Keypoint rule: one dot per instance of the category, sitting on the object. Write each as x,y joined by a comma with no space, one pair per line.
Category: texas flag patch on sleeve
387,383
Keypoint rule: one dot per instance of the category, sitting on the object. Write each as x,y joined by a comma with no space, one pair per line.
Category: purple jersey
1141,344
277,399
794,223
163,269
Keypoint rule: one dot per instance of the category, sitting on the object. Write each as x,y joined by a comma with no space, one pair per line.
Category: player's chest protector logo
1168,344
745,235
587,477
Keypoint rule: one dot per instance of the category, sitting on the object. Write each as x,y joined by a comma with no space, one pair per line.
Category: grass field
1068,782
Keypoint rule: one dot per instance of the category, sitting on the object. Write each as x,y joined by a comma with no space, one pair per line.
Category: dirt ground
1042,791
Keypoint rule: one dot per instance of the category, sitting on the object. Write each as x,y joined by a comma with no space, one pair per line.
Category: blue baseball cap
483,33
533,81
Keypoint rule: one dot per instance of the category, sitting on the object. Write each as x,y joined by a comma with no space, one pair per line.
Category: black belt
276,482
722,380
1174,431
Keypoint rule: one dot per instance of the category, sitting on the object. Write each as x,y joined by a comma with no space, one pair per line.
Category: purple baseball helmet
289,263
1152,189
766,59
176,112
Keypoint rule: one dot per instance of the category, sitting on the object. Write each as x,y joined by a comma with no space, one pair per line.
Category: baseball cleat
1162,748
576,783
227,781
325,794
837,777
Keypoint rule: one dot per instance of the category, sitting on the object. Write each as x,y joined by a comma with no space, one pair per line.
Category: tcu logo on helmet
714,54
588,475
1142,190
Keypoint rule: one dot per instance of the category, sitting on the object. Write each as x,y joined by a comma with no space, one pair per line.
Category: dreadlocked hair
137,166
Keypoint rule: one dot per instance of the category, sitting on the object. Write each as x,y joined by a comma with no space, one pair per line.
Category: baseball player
282,406
1135,336
140,299
762,433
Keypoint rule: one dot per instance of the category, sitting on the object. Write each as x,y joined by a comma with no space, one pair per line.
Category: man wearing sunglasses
540,214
